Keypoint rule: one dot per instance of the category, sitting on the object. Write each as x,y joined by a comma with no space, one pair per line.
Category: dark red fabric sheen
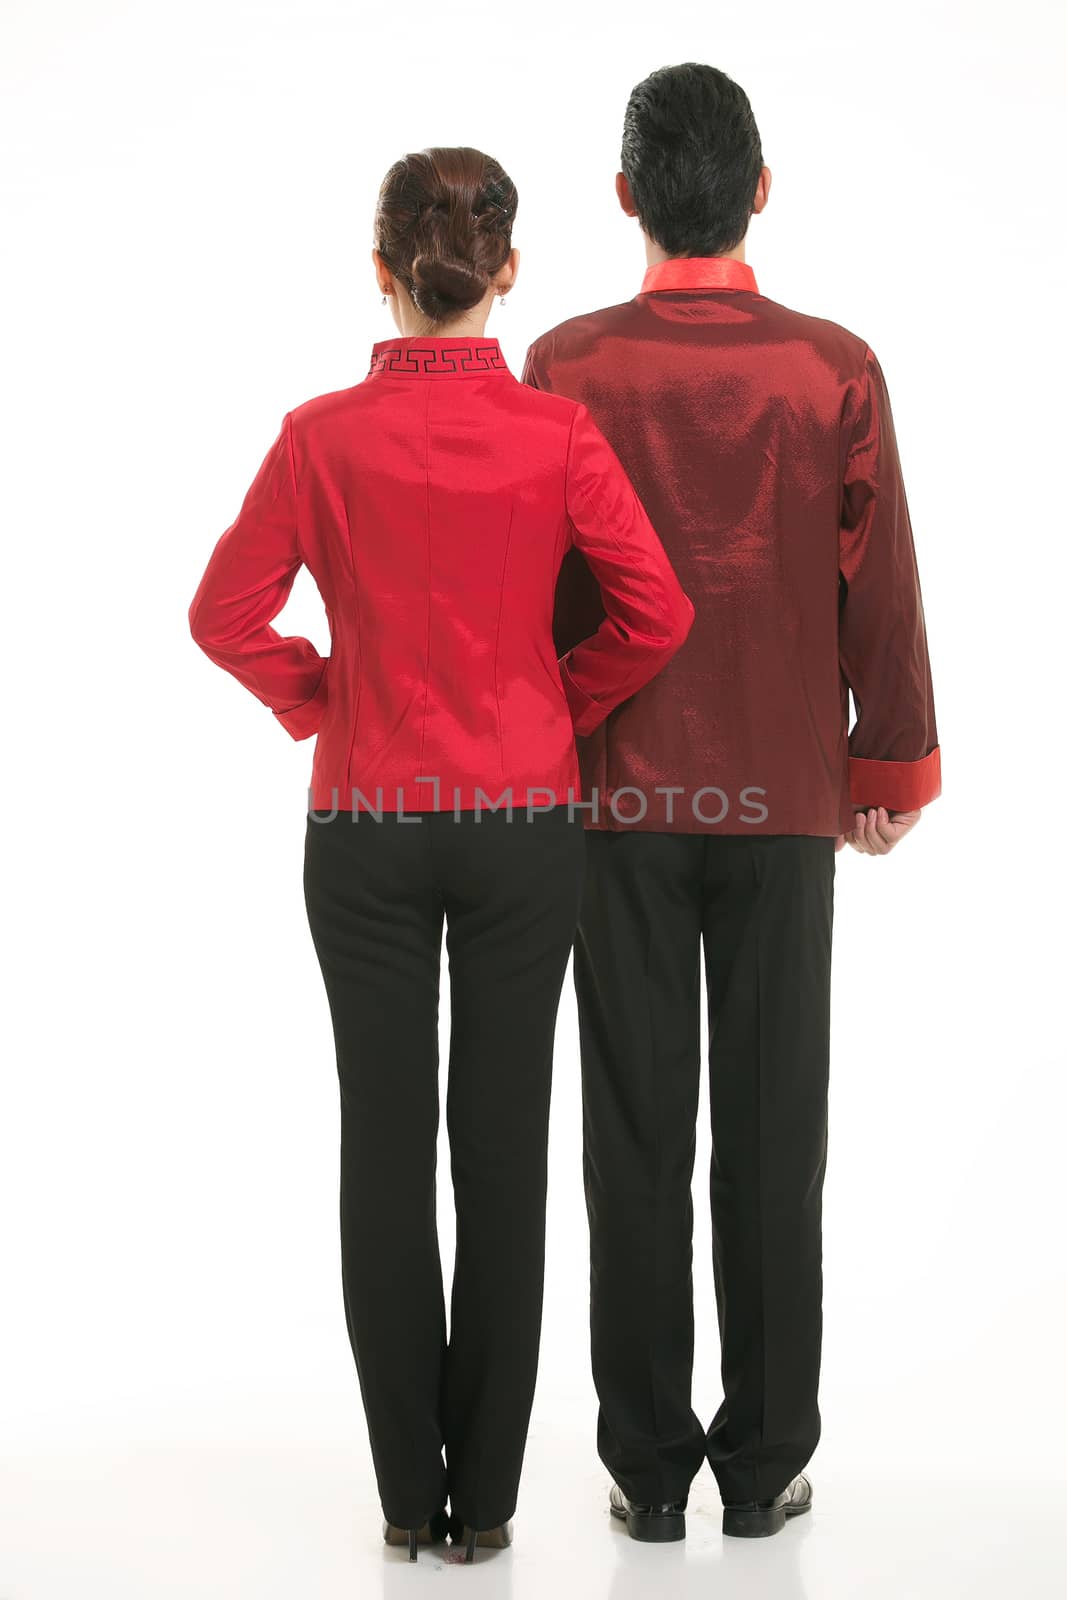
761,442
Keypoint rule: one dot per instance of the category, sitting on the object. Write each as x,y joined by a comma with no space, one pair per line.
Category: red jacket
433,503
761,441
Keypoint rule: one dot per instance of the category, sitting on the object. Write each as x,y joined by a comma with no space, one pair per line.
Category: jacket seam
496,651
567,475
849,422
291,454
591,503
353,736
429,585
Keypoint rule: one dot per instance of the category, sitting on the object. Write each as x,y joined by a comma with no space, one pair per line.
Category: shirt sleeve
246,583
647,615
894,756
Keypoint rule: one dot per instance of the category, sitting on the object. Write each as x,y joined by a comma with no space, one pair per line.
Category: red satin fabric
433,503
699,272
761,443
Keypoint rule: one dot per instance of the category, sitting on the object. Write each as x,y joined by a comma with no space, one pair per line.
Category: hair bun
442,287
443,227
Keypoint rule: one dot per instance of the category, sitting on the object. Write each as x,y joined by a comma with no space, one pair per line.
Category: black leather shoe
652,1524
432,1532
756,1519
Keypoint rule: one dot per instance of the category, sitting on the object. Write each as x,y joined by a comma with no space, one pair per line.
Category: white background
188,195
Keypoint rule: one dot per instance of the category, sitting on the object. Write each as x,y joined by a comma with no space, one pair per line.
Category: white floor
291,1520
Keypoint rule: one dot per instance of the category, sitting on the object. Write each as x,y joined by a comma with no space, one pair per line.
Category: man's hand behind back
878,830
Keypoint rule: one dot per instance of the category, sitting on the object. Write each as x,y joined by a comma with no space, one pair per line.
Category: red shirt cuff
304,720
586,713
896,785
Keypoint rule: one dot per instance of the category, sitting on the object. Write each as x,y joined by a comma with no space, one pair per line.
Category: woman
433,503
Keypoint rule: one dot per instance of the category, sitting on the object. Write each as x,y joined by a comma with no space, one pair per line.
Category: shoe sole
654,1527
759,1524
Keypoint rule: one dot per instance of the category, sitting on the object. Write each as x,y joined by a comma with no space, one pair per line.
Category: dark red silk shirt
433,504
761,443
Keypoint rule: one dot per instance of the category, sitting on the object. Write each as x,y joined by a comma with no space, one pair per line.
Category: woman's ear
509,271
382,273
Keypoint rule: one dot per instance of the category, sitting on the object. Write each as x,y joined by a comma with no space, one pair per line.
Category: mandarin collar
699,272
420,355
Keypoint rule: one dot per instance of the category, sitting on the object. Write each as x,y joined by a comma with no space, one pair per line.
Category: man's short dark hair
691,154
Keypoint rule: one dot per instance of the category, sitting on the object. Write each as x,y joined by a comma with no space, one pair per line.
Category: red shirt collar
699,272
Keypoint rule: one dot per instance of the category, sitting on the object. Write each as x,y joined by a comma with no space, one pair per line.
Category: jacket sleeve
246,583
647,615
894,756
579,605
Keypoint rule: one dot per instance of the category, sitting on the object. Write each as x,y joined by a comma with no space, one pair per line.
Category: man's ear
626,199
763,190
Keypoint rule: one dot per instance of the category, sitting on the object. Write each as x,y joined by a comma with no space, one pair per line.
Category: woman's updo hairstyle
443,226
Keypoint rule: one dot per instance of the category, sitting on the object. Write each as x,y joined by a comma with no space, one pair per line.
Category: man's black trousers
377,894
763,907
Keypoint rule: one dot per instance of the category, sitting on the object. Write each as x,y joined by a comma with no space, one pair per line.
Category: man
762,444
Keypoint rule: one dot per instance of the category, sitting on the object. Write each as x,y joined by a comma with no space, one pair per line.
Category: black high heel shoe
432,1532
489,1538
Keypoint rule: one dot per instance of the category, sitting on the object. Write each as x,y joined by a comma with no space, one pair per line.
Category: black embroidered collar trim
422,357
